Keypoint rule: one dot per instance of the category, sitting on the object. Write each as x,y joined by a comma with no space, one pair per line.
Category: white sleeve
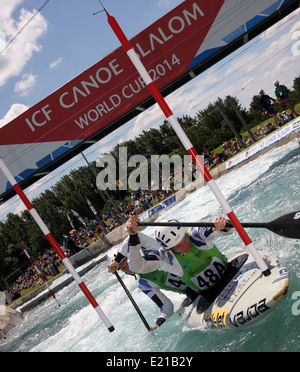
146,243
124,248
203,237
166,261
216,234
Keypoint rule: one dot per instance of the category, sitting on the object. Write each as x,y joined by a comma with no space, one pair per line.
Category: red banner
112,87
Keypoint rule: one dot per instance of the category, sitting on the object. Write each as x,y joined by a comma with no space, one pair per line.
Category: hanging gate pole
38,271
186,143
55,245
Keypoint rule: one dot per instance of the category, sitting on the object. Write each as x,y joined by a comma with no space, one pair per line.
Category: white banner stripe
72,271
39,221
139,66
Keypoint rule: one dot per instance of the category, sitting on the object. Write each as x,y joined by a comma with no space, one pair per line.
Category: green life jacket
282,92
202,268
165,281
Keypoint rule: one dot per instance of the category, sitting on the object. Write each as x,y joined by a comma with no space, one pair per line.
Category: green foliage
296,87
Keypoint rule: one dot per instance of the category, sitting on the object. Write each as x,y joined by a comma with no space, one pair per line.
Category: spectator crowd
48,263
284,97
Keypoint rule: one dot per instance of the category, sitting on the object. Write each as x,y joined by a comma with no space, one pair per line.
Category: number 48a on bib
210,275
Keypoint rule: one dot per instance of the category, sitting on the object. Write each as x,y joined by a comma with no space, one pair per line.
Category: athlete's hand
113,267
220,223
152,328
132,225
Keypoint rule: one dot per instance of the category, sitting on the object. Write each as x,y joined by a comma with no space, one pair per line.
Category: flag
93,209
70,221
77,215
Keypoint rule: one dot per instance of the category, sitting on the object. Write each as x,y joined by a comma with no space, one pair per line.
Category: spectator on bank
269,127
48,265
287,117
236,146
90,225
285,97
259,133
220,156
226,145
70,245
266,106
247,141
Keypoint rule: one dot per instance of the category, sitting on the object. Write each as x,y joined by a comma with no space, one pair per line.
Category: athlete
187,253
152,283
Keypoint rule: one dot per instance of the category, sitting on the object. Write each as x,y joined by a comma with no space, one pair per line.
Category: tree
212,129
255,113
37,242
296,87
11,231
50,208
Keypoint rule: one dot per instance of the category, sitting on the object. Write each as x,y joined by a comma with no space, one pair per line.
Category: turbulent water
259,191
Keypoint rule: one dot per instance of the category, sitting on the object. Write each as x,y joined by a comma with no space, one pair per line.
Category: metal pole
108,199
133,302
225,117
240,116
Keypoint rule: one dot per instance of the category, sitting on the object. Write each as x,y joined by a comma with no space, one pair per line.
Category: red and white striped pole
55,245
39,272
186,143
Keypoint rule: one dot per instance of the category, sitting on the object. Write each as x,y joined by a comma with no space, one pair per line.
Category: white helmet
260,91
276,82
169,236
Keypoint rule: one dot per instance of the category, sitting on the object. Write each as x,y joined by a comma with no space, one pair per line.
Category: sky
65,39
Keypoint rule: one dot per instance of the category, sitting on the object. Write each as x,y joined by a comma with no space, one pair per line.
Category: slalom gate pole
132,301
39,272
55,245
186,142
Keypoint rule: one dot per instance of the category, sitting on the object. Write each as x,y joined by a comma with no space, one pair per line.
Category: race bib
174,281
210,275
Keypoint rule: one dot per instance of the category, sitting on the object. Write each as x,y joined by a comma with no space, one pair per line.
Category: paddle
132,301
287,226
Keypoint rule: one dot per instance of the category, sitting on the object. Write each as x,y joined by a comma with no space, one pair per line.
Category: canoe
247,297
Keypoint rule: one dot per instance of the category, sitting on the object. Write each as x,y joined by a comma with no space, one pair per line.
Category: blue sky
62,41
65,39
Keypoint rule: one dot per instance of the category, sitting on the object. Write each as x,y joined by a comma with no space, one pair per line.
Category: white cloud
19,209
21,50
55,63
163,3
262,62
40,183
14,205
7,8
269,33
152,116
15,110
24,86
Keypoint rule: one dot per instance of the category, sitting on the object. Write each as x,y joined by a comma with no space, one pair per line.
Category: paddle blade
287,226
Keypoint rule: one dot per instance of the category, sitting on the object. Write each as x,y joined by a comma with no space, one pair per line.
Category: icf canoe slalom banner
169,48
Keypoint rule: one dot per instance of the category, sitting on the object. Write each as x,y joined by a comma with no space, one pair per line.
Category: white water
261,190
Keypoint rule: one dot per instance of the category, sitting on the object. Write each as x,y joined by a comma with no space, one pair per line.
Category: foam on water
261,190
